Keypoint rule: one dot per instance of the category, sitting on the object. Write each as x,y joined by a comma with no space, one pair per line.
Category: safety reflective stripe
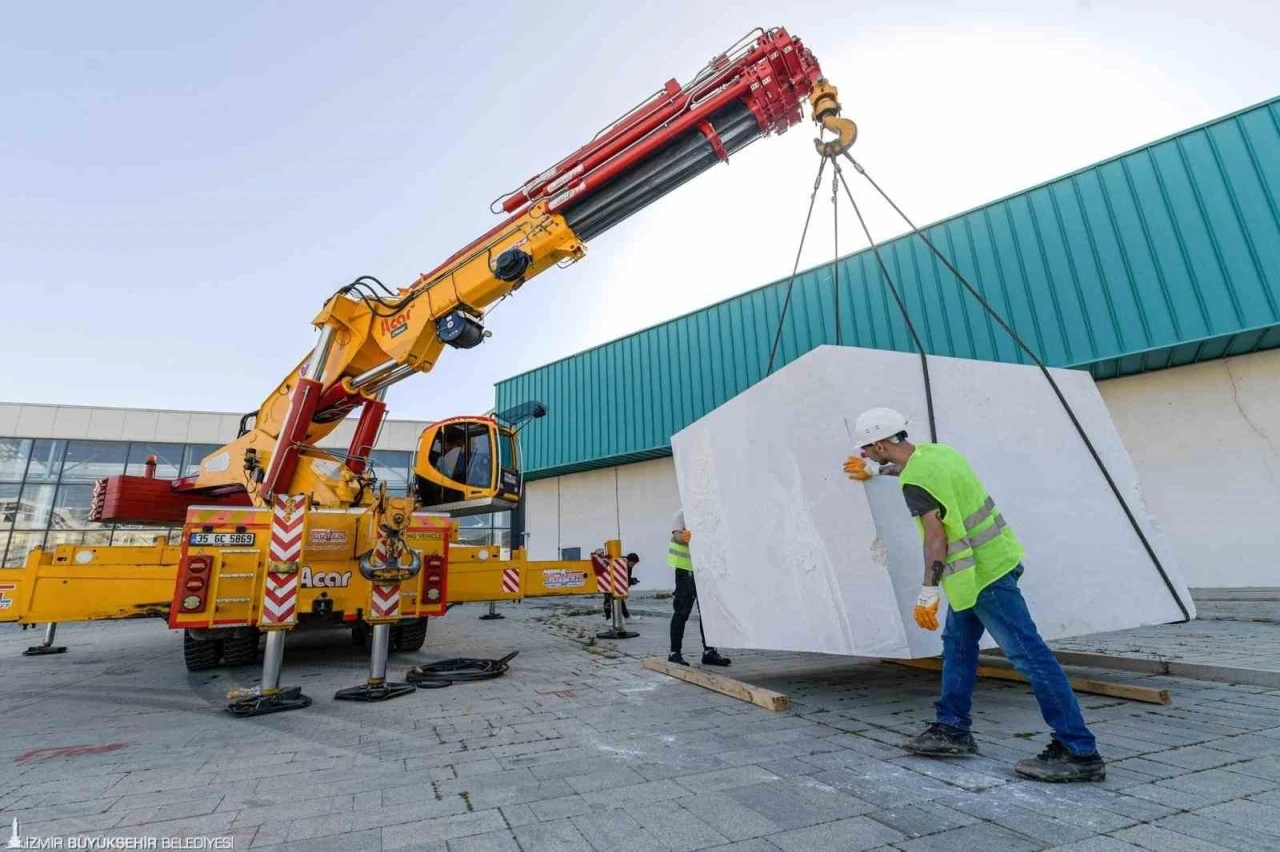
989,534
981,515
959,565
968,543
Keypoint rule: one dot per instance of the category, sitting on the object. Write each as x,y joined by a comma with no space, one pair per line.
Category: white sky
181,189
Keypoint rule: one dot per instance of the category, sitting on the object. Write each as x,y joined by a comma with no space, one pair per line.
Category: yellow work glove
860,468
926,613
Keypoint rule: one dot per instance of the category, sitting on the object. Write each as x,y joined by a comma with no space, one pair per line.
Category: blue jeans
1002,610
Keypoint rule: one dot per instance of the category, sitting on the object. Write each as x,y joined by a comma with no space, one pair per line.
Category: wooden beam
1146,694
766,698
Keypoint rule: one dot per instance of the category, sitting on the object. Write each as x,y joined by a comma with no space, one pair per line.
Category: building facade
50,456
1158,271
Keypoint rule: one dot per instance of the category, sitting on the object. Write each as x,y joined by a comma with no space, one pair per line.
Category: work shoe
939,740
677,659
1057,765
711,657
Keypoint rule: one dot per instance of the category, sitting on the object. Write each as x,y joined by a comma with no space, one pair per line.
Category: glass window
168,459
175,536
34,506
475,522
449,452
507,457
46,460
13,458
20,544
570,553
473,537
502,538
88,461
97,538
392,467
137,536
55,538
71,508
502,520
480,458
8,505
195,454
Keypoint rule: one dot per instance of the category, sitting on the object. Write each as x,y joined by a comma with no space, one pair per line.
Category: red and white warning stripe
600,567
618,578
510,580
385,601
279,599
288,513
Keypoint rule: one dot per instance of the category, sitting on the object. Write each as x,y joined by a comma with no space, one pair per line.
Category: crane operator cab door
467,466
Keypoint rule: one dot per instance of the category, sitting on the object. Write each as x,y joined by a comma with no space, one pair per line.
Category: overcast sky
183,185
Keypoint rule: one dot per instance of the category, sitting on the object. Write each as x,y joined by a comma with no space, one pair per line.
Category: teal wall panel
1160,257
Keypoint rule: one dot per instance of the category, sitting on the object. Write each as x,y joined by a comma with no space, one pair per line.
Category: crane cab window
463,453
449,452
461,461
506,451
479,458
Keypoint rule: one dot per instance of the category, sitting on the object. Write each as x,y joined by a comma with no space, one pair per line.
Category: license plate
204,539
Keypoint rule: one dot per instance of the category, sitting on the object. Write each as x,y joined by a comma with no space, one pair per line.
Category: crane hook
826,112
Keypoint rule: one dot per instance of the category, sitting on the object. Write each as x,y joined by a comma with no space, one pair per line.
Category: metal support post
377,688
268,697
46,647
272,662
279,610
619,584
493,613
618,630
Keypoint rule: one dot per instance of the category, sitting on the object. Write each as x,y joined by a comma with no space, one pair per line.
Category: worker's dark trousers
608,606
685,597
1002,611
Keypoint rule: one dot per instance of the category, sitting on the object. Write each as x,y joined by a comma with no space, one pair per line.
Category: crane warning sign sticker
5,600
320,539
564,579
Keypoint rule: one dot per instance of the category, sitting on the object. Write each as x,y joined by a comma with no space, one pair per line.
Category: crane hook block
826,112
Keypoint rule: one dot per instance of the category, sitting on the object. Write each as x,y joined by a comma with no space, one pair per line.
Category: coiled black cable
444,673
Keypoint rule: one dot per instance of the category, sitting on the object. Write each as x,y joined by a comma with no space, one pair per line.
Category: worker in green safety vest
971,550
679,558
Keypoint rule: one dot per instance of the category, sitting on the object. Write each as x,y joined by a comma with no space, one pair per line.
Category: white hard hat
878,424
679,521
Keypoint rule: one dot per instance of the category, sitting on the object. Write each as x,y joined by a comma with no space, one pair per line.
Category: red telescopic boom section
768,73
754,88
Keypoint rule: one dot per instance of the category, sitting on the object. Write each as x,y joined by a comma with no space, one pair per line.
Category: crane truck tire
405,636
409,637
241,650
200,654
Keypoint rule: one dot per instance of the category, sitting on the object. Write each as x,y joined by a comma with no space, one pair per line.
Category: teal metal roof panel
1163,256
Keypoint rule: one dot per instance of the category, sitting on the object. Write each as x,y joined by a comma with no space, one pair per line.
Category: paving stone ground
580,748
1226,633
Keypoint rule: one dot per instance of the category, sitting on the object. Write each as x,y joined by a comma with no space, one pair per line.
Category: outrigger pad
374,692
617,634
260,705
44,650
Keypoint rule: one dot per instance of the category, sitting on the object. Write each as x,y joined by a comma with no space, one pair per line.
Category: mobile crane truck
278,534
